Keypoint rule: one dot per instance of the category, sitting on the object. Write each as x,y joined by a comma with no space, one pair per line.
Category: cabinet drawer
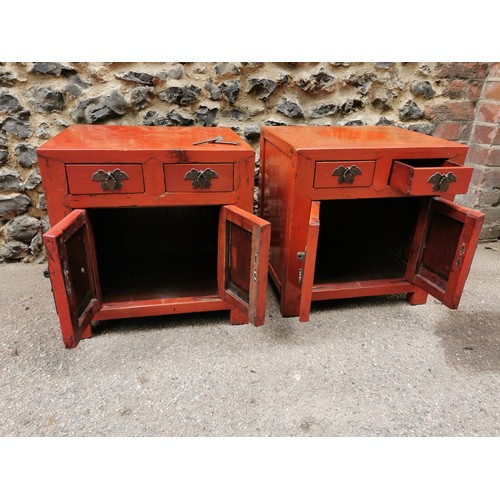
105,178
343,174
198,177
429,177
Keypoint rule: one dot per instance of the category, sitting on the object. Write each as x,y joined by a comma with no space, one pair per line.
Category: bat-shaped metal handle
441,182
110,180
346,174
201,178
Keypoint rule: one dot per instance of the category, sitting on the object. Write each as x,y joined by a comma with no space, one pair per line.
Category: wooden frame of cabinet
145,222
360,211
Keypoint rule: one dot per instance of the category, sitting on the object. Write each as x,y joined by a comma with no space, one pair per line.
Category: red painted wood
244,294
324,177
156,160
238,316
159,307
87,332
347,142
276,182
412,180
146,200
128,138
292,179
80,178
303,175
244,184
55,186
77,296
175,177
417,298
154,178
450,236
309,263
352,289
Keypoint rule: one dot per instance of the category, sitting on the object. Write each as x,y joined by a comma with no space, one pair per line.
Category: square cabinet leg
289,307
238,317
417,297
87,333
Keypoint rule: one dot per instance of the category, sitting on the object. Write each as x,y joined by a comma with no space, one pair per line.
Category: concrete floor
361,367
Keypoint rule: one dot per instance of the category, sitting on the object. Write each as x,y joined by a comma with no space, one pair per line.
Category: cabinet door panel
450,234
243,261
73,273
309,262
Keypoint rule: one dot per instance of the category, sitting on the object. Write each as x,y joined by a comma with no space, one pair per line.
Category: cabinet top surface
148,138
325,137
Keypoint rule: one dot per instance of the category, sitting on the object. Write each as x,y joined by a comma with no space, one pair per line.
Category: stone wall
37,100
484,156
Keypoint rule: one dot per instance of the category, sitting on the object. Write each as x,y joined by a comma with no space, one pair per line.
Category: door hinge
255,262
462,252
301,273
67,280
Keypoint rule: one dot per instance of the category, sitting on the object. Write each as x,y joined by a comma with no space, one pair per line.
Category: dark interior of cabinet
367,239
159,252
425,162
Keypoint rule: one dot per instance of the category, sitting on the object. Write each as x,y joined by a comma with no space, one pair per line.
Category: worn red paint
332,240
155,160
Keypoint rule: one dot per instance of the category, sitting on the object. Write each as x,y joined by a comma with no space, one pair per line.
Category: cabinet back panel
365,239
156,252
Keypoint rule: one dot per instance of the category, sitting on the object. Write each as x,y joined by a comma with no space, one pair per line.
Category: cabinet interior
425,162
156,252
365,239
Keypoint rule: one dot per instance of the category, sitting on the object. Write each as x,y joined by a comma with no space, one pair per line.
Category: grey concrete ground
364,367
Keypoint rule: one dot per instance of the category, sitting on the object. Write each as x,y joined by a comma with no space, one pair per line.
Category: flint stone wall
38,100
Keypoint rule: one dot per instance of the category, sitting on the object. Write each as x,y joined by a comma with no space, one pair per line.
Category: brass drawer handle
201,178
110,180
346,174
441,182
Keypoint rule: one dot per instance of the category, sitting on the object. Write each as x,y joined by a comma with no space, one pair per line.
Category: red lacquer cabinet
359,211
150,221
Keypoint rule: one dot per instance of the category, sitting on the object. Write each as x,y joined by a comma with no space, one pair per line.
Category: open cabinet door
73,273
447,239
243,261
309,263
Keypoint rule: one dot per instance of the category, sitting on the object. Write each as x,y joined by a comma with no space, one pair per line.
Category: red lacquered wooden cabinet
359,211
149,221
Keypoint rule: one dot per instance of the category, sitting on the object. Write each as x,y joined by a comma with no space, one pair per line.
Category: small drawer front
105,178
343,174
198,177
421,178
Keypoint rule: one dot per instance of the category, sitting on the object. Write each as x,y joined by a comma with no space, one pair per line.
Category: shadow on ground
471,341
166,322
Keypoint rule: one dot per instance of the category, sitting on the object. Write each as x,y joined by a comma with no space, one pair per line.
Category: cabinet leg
289,308
87,333
238,317
417,297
